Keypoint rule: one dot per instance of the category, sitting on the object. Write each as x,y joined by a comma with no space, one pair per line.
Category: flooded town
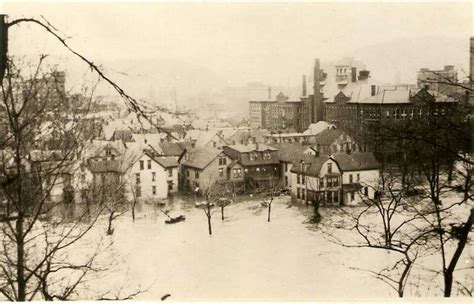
236,152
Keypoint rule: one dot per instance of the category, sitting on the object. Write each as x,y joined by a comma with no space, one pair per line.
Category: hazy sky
240,42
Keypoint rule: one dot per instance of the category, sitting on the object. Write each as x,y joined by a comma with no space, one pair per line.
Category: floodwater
246,258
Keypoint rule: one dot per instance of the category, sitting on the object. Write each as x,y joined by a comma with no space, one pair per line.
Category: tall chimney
269,93
304,85
353,74
372,90
317,92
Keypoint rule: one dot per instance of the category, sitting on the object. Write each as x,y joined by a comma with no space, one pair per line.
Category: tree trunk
20,268
269,211
133,210
209,225
110,230
448,273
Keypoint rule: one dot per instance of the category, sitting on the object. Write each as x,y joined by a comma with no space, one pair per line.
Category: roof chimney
373,89
304,85
353,74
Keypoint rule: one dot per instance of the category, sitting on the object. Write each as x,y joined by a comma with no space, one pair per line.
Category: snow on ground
246,258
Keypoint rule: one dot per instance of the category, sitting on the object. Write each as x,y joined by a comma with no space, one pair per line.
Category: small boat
177,219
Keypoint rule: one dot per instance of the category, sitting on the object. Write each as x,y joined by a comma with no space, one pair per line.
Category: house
360,175
288,153
331,141
201,166
152,176
107,179
208,139
338,179
254,165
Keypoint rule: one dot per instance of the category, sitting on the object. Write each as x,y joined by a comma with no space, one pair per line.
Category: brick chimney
317,92
353,74
373,89
304,86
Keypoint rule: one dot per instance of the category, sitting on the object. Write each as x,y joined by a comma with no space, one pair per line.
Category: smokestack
304,85
353,74
269,93
317,92
372,90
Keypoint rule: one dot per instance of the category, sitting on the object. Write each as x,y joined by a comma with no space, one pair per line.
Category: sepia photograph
237,151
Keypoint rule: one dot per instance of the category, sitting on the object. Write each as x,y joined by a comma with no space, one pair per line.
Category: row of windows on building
330,181
153,176
138,189
375,113
328,196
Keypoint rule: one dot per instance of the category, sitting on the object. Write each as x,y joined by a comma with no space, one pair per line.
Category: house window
358,177
321,183
286,167
149,164
138,192
137,178
332,182
170,185
366,191
350,179
330,168
142,165
222,161
196,174
153,176
336,197
302,179
297,178
258,169
352,196
170,172
286,180
237,173
221,172
298,194
187,172
303,194
153,190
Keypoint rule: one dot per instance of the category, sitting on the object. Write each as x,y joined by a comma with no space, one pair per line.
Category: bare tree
424,198
273,190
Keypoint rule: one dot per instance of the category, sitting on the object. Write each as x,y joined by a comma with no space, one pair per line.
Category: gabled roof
328,136
314,167
200,157
289,152
356,161
171,149
164,161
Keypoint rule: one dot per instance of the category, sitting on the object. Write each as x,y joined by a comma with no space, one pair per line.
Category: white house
152,177
338,179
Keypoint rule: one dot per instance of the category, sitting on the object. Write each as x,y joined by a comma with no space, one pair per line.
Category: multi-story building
201,167
278,114
339,179
153,176
442,81
254,165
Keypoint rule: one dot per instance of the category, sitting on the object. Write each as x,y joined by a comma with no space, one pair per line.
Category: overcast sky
272,43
